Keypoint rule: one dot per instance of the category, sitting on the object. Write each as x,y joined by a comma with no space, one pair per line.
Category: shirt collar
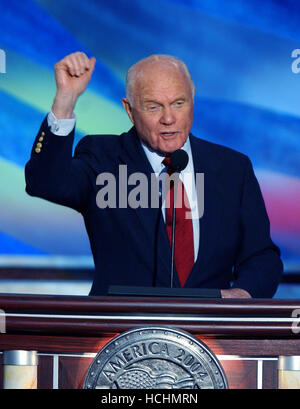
156,160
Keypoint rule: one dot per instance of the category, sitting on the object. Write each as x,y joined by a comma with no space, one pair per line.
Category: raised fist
72,75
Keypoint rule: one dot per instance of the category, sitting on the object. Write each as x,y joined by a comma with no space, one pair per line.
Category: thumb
93,63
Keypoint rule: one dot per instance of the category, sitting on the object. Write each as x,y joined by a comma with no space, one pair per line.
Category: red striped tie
184,242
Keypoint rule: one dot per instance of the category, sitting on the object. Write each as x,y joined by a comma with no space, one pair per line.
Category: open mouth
168,135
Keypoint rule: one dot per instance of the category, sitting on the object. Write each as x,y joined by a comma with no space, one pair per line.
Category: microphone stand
173,229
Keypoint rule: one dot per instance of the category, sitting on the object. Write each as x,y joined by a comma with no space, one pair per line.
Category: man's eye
153,108
179,103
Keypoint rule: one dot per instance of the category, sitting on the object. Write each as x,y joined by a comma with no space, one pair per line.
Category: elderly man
228,248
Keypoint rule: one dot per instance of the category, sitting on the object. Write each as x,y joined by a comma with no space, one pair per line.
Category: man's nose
167,117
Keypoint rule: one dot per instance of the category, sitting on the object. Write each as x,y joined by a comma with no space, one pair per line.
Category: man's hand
235,293
72,75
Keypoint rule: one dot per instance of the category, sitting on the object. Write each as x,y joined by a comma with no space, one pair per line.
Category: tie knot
166,162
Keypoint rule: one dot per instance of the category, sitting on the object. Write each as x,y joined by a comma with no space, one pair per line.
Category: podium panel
246,335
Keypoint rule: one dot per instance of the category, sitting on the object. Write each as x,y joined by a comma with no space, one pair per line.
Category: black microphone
178,161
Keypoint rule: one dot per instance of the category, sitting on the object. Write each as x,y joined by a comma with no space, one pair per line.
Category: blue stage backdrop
242,55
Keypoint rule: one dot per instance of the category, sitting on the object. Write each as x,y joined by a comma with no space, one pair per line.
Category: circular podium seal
155,358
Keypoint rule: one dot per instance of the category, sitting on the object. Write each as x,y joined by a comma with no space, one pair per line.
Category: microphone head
179,160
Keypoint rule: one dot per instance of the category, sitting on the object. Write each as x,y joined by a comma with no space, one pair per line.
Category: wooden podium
67,331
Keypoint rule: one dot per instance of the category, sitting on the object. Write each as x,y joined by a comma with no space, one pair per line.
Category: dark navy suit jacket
130,246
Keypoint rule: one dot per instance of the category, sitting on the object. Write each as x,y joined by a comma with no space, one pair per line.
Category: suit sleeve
258,267
53,174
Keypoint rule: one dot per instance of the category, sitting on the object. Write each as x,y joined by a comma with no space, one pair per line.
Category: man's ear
127,108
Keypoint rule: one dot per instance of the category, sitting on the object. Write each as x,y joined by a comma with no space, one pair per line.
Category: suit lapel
150,218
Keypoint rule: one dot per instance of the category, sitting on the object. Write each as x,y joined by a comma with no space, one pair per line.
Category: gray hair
135,71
